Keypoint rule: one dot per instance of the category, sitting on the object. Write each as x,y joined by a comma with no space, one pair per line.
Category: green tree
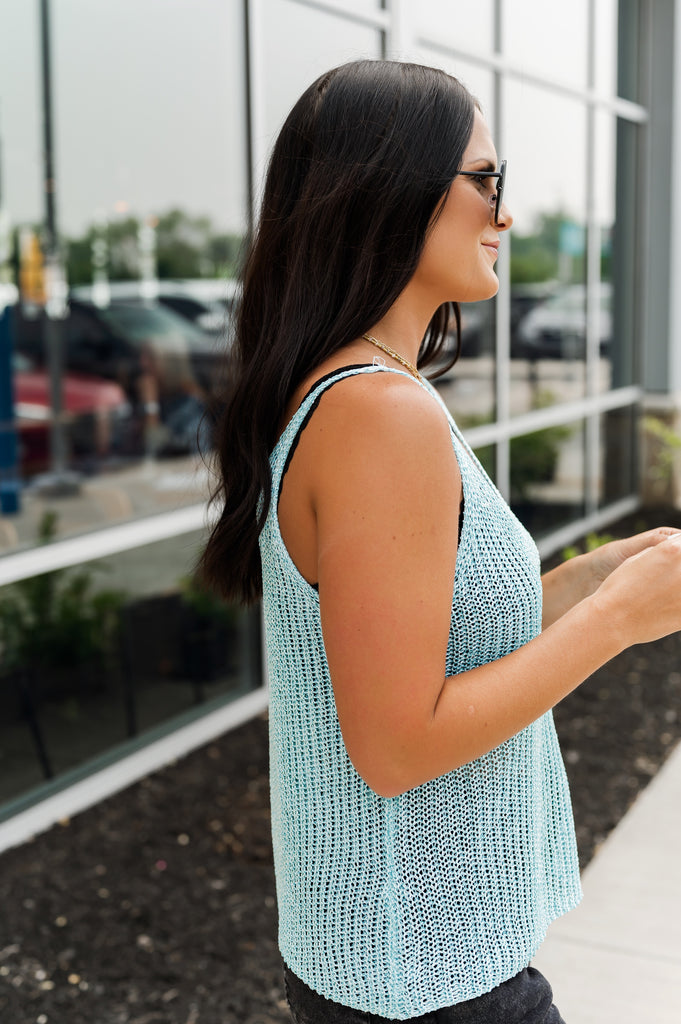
186,247
534,257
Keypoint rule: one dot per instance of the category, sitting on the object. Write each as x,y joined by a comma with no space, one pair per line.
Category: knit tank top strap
289,437
460,442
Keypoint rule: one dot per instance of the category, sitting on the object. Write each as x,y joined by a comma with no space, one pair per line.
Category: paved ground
617,958
115,496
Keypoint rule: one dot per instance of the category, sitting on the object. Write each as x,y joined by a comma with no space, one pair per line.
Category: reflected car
556,327
478,319
168,368
115,341
96,414
205,303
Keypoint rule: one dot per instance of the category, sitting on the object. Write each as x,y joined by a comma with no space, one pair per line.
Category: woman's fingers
651,538
645,591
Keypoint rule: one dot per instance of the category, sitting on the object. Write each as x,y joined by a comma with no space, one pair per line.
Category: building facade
132,151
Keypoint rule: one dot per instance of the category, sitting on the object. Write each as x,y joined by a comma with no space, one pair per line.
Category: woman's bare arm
386,507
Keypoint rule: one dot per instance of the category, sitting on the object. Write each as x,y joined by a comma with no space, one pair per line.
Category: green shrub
56,619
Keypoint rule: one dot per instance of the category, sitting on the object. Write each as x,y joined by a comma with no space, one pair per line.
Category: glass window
546,193
487,456
479,81
620,262
604,209
151,182
96,656
552,42
449,22
169,132
547,477
319,41
468,388
625,24
364,6
20,116
620,456
606,13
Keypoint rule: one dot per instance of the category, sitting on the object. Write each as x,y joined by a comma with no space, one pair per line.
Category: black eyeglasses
496,198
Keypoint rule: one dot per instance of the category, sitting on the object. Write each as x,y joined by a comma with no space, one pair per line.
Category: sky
148,99
147,107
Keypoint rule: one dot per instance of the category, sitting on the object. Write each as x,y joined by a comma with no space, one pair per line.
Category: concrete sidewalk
617,958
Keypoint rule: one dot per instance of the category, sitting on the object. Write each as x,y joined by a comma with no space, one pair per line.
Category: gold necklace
394,355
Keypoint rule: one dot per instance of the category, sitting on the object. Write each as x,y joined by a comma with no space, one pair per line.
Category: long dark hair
360,167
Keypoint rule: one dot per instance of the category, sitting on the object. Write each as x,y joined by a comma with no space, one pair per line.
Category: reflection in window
450,22
606,17
97,417
468,388
555,327
547,41
487,456
20,116
150,139
620,456
152,183
631,17
164,370
547,197
319,40
623,265
604,186
94,657
479,81
547,477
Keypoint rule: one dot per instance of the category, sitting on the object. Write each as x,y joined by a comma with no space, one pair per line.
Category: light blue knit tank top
400,906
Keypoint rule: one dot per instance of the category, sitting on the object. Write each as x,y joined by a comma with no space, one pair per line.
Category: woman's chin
485,290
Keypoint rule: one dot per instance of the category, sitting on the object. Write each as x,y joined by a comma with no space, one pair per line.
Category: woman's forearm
479,709
564,587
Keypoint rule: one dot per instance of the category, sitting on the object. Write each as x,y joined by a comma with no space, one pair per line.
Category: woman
422,827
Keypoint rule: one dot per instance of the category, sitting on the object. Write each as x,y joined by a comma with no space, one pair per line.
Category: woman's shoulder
382,394
350,393
382,414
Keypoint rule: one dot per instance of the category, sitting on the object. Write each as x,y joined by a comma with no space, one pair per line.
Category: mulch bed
158,905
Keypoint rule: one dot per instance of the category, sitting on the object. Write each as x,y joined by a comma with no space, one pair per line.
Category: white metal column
662,333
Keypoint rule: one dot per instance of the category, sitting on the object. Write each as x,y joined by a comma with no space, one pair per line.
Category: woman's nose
505,218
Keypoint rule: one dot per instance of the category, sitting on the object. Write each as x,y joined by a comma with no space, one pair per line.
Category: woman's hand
605,559
581,577
641,598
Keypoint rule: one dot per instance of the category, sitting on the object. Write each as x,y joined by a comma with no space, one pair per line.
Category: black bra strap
308,414
306,420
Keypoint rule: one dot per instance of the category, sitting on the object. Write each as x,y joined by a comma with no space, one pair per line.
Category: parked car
524,298
168,368
206,303
209,304
97,416
556,327
478,319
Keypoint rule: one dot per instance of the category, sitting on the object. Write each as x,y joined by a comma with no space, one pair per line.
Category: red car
96,415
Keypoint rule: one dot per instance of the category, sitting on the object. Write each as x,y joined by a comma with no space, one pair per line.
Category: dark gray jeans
525,999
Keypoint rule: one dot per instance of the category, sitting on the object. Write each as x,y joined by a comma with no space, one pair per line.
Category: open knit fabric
400,906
